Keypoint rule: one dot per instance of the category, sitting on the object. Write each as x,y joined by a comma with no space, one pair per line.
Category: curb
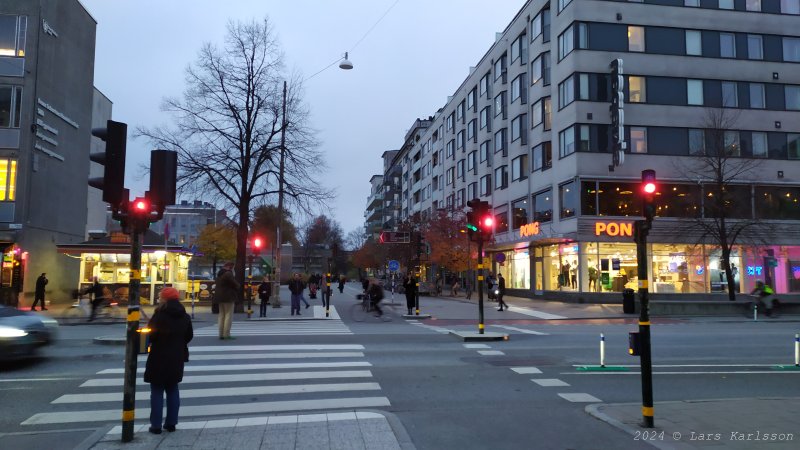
400,432
110,340
594,411
94,438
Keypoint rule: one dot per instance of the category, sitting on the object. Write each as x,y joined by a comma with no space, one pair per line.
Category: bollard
797,350
602,350
755,312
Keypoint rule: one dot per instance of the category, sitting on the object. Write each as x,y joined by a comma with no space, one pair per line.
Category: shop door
538,274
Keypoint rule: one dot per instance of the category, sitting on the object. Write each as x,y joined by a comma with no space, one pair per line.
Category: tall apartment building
46,96
529,131
373,215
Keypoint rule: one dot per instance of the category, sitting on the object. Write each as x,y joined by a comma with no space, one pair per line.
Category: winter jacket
296,286
170,333
264,290
226,289
501,285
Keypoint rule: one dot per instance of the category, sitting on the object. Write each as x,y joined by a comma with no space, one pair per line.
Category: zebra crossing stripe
248,377
252,367
534,313
213,410
271,356
521,330
242,348
226,392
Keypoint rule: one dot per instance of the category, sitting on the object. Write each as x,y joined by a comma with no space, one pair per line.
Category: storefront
108,260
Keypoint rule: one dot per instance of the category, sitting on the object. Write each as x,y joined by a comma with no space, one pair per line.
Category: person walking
38,294
296,288
410,286
468,286
226,292
501,291
98,296
303,297
264,291
454,288
375,292
170,333
341,284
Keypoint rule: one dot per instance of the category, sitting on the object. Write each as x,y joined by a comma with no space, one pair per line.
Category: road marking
213,410
526,370
476,346
226,392
689,365
729,372
580,398
241,348
271,356
252,367
522,330
549,382
25,380
250,377
436,329
534,313
490,352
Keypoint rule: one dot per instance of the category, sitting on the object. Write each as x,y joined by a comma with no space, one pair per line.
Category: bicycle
81,310
363,309
753,307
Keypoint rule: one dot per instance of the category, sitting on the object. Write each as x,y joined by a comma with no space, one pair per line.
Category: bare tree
719,166
228,124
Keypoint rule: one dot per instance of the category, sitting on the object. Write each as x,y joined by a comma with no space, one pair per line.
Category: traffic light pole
642,228
249,285
480,284
419,272
132,344
327,294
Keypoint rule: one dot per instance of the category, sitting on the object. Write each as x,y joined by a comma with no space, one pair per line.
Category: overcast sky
405,68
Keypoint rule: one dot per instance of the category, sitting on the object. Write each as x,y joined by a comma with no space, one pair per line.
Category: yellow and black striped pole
132,345
642,227
327,297
480,283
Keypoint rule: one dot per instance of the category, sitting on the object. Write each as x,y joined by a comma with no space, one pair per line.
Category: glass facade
516,269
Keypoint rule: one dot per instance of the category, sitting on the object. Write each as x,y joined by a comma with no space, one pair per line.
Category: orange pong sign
613,229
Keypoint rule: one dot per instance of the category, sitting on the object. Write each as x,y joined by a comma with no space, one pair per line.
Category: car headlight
10,332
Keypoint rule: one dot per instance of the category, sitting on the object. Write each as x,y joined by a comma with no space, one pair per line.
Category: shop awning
120,243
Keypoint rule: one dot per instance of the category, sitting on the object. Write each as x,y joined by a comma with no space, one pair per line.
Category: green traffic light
472,227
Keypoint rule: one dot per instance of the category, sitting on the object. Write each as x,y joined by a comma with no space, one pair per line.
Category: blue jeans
157,404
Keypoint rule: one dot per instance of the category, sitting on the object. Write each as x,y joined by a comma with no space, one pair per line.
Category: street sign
395,237
394,265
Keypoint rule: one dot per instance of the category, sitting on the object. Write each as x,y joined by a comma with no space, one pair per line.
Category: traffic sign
395,237
394,265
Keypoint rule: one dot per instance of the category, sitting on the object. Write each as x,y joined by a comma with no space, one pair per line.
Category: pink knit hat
170,293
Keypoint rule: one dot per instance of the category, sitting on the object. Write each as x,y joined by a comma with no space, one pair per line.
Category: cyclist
98,296
765,295
375,292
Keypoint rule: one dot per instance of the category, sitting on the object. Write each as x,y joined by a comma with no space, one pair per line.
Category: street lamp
345,64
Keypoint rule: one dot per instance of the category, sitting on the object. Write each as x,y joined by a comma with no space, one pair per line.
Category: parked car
22,332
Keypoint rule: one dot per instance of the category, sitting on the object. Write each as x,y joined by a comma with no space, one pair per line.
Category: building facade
46,96
529,131
373,215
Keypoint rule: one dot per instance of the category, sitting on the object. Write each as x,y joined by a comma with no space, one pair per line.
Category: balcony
374,200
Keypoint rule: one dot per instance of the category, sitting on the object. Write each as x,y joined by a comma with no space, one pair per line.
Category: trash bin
628,301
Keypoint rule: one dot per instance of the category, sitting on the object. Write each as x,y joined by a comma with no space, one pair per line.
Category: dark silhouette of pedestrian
226,292
98,296
501,291
410,286
296,288
341,284
38,294
264,291
170,333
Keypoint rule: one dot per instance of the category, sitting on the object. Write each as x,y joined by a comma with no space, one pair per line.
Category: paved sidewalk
748,423
352,430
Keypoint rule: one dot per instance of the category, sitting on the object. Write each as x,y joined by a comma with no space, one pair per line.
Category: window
519,49
500,141
760,146
757,95
519,213
638,140
460,140
450,175
486,185
460,197
518,129
500,68
755,47
10,104
472,190
727,45
546,25
536,26
566,92
792,97
542,156
793,146
485,123
694,92
694,43
730,97
791,49
543,207
566,42
519,168
563,4
725,4
636,90
460,169
583,92
790,6
635,39
731,143
472,100
697,142
566,142
546,68
471,161
501,219
450,121
472,130
12,35
694,3
518,89
536,114
584,143
501,177
547,113
460,111
8,180
568,199
536,70
484,84
484,149
450,148
753,5
779,202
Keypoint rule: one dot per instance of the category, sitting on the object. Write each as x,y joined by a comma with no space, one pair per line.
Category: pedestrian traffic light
115,135
163,175
258,244
649,188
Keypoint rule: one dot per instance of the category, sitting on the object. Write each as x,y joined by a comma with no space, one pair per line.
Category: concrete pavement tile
252,421
199,425
368,415
273,420
213,438
247,437
378,434
345,435
342,416
222,423
180,439
312,435
312,418
280,437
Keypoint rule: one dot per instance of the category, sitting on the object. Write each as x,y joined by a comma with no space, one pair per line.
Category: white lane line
490,352
252,367
534,313
271,356
688,365
476,346
580,398
522,330
226,392
729,372
112,415
242,348
549,382
526,370
436,329
252,377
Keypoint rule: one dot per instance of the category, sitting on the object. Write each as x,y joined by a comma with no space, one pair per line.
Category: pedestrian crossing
232,381
280,328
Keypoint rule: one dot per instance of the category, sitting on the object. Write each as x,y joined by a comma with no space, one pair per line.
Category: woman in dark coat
410,286
170,333
264,291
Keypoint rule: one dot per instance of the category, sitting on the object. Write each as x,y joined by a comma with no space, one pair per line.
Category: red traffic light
488,221
650,188
141,205
258,243
649,181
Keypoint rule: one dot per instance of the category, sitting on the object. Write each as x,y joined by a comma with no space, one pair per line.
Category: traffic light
487,223
471,228
480,218
163,175
617,110
649,188
258,244
115,135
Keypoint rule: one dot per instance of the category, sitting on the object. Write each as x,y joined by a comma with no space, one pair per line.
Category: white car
22,332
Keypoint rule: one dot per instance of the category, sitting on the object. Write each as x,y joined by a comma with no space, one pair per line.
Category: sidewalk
372,430
746,423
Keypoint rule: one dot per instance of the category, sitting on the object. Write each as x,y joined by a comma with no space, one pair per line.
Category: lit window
8,179
635,39
638,140
636,90
12,35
